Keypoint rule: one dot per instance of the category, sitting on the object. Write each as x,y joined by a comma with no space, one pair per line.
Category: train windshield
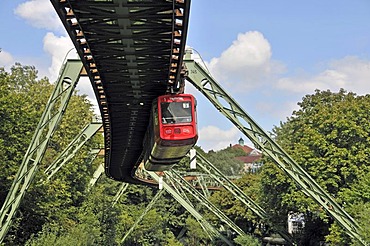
176,112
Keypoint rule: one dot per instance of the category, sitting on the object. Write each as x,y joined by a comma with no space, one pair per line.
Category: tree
247,241
23,98
195,233
236,210
329,137
357,201
225,161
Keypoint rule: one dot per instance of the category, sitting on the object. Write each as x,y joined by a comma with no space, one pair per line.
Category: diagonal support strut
48,124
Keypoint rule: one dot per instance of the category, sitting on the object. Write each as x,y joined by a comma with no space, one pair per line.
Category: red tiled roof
245,148
249,158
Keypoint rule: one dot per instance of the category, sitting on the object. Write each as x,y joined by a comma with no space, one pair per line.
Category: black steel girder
132,51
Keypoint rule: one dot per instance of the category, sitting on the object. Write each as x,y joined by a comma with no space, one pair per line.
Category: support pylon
48,124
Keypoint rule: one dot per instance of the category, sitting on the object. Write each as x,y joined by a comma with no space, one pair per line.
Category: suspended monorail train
172,131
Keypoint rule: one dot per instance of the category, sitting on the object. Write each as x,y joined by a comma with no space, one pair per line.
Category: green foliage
224,160
195,233
247,241
235,209
159,225
80,235
329,137
357,202
19,102
22,101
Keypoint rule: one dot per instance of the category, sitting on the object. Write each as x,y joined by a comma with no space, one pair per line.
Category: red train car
172,131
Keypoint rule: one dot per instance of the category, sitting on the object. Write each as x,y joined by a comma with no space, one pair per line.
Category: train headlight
168,131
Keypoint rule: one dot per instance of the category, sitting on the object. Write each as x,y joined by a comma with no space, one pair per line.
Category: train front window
176,112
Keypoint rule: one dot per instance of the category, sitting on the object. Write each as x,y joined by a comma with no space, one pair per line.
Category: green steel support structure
149,207
120,191
181,182
189,207
225,182
223,102
213,172
72,148
98,172
202,185
124,186
48,124
182,193
204,181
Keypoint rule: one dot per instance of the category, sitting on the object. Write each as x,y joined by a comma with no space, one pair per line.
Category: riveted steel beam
225,182
48,124
190,208
180,181
72,148
147,209
223,102
132,52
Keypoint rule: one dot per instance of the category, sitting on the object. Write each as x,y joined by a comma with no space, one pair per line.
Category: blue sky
266,54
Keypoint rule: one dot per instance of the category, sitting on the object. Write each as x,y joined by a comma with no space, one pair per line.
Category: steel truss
226,183
119,193
223,102
182,193
48,124
98,172
179,181
73,147
190,208
147,209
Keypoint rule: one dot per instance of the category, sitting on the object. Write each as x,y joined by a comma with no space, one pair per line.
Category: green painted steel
119,193
201,180
223,102
98,172
48,123
189,207
149,207
180,181
72,148
214,173
182,193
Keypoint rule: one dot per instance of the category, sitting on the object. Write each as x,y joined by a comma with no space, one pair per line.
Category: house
251,159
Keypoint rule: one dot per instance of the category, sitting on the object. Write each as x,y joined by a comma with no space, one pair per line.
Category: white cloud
212,137
350,73
246,63
40,14
84,87
6,59
57,48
